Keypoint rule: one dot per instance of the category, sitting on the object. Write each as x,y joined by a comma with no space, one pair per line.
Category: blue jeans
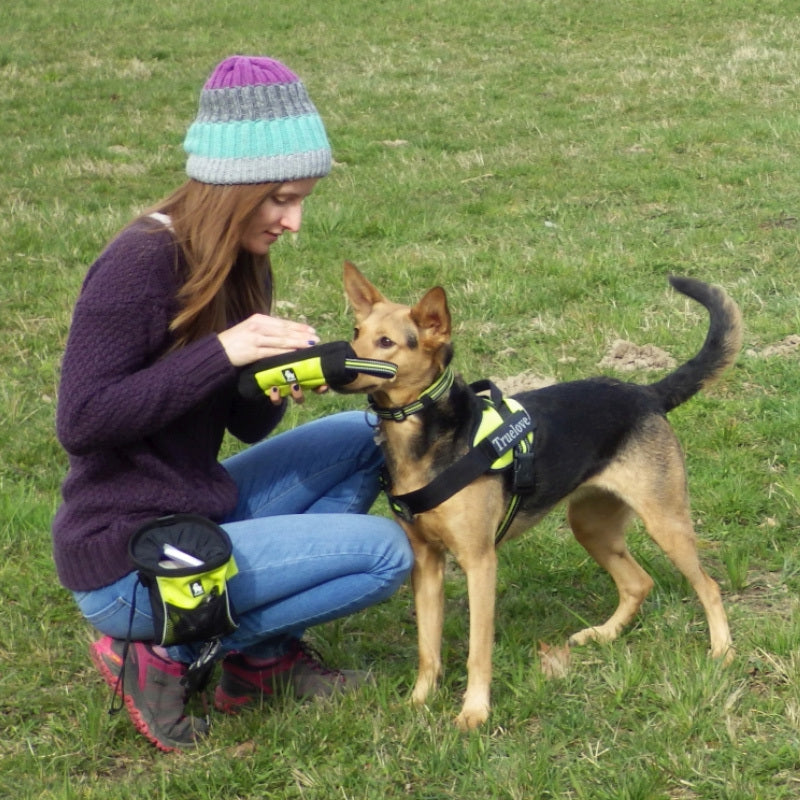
306,550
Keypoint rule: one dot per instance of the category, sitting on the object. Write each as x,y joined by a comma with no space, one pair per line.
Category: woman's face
281,211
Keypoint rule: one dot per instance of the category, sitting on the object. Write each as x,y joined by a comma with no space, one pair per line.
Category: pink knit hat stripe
249,71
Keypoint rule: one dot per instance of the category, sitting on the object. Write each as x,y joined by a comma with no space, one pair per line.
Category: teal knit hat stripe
256,124
250,139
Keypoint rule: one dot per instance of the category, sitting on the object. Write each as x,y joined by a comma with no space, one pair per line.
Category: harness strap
453,479
508,518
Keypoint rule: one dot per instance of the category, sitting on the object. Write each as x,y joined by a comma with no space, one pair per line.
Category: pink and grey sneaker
152,691
300,673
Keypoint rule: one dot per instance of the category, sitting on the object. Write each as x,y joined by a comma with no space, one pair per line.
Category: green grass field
548,163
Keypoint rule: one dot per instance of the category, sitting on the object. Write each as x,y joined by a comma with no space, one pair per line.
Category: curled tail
719,351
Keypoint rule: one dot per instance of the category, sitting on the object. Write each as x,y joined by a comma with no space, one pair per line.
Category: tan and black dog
602,445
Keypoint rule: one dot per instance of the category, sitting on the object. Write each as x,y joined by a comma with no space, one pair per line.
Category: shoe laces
312,658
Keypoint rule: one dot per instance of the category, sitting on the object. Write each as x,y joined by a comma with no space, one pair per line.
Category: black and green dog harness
502,440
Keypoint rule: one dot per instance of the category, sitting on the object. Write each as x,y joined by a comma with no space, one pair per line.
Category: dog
601,445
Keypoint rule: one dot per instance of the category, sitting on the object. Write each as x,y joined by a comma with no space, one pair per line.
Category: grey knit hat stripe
254,103
290,167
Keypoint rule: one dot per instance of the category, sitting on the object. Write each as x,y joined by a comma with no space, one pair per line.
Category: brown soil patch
787,345
627,357
523,382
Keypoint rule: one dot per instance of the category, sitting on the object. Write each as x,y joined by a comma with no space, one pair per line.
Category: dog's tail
719,351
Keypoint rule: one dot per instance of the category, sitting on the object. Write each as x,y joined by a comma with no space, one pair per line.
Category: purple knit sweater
142,426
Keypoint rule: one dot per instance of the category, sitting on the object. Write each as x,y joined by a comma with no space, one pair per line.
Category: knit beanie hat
256,124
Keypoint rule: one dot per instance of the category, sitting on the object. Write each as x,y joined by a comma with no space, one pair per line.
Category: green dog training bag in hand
185,561
334,364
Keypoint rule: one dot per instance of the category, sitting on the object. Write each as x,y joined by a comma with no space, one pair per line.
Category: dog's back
583,425
580,427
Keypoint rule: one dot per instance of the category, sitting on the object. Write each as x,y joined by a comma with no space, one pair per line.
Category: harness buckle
524,479
401,509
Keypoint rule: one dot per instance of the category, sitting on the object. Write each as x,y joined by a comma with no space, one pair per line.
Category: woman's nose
292,218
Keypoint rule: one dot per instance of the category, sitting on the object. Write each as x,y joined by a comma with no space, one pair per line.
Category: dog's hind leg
671,528
599,519
427,580
652,479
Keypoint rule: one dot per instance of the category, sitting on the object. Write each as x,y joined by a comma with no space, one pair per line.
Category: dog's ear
360,292
432,316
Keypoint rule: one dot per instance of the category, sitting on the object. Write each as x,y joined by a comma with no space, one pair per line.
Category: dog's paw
418,699
422,690
724,655
599,633
471,718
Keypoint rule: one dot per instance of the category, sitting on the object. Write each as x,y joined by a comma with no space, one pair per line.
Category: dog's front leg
427,580
481,572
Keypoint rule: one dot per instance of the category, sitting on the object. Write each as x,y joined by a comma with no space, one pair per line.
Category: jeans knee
399,557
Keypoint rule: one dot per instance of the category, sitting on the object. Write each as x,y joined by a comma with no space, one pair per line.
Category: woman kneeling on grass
173,307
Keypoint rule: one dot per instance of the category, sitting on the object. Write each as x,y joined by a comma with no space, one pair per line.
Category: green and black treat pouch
185,561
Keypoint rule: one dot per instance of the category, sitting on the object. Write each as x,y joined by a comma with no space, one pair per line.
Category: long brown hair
223,284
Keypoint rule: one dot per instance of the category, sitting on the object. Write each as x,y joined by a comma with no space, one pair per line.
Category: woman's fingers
261,336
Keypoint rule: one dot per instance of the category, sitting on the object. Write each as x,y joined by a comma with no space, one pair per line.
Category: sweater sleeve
250,420
119,383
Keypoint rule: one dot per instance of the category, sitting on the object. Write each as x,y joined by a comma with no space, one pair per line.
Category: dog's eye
385,342
355,333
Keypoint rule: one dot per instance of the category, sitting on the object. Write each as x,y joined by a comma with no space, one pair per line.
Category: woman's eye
385,342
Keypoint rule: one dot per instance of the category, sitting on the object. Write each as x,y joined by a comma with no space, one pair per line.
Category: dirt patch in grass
523,382
625,356
786,346
767,594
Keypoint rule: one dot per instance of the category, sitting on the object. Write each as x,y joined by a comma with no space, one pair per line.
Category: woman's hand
261,336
